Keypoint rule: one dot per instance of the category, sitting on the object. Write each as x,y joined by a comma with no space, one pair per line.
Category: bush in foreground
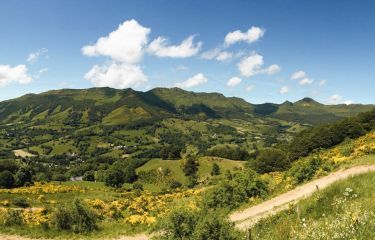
77,218
198,225
235,190
270,160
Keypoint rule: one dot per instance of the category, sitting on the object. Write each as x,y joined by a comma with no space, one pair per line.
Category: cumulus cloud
161,48
234,81
17,74
253,65
250,88
34,56
125,47
298,75
305,81
125,44
348,102
116,75
253,34
196,80
284,89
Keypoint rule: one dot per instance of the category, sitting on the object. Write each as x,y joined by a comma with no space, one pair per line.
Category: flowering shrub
48,188
141,209
352,149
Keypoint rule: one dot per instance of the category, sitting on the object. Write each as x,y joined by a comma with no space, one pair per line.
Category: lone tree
6,179
114,178
190,169
215,169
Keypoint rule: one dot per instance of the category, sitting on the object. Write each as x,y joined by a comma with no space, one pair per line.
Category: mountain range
112,107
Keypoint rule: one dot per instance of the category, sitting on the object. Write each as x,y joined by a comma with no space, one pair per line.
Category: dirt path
248,217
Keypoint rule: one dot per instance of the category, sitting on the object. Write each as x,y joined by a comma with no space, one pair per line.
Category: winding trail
250,216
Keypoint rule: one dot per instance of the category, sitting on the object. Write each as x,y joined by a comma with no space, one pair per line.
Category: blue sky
262,51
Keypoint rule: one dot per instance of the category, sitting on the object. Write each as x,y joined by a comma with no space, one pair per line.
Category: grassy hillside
133,124
344,210
156,183
309,111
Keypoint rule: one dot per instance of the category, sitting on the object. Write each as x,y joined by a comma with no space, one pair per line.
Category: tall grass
345,210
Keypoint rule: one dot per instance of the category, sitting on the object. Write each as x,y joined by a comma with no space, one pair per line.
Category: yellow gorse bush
4,203
48,188
30,216
141,209
352,149
35,216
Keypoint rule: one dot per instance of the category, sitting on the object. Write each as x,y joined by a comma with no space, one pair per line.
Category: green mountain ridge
106,104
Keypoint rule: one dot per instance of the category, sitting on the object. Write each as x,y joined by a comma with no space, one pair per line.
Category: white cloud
217,54
126,44
34,56
253,34
335,99
116,75
274,68
41,72
16,74
322,83
306,81
338,99
234,81
211,54
298,75
252,65
187,48
284,89
224,56
250,88
196,80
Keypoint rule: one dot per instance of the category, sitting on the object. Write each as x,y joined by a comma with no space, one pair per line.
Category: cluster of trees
235,189
12,175
330,134
229,152
121,172
281,157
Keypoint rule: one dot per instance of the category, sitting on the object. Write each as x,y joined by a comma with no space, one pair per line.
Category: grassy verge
344,210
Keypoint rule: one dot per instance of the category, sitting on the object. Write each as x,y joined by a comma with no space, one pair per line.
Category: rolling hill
112,106
160,123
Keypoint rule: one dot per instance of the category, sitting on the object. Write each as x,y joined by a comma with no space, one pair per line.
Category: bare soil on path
250,216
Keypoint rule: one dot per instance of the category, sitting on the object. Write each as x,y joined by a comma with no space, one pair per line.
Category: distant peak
307,100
